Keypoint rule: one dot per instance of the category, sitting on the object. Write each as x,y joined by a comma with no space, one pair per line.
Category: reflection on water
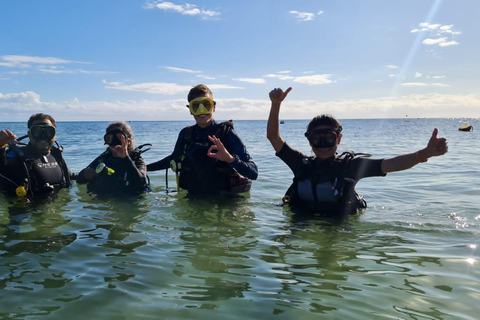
414,254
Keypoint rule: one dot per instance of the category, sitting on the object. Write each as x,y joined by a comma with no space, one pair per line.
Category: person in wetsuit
37,167
326,182
120,169
209,157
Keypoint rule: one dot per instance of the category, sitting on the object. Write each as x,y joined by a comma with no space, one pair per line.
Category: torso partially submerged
201,174
327,187
37,173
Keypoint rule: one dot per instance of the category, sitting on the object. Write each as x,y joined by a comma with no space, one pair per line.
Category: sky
136,60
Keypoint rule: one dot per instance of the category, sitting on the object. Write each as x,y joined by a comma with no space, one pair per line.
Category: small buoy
467,127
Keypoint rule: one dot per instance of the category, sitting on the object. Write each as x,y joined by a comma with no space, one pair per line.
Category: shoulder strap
57,152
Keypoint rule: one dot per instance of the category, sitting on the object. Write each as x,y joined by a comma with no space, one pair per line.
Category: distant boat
467,127
406,117
282,121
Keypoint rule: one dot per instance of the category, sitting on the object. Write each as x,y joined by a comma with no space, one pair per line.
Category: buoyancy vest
325,188
35,174
199,173
119,180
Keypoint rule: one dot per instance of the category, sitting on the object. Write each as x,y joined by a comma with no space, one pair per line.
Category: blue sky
137,60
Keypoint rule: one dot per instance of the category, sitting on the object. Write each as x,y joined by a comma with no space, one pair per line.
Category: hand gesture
221,153
436,146
278,95
120,151
6,136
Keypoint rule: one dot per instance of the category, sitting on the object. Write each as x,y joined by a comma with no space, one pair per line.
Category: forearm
405,161
247,168
160,165
273,128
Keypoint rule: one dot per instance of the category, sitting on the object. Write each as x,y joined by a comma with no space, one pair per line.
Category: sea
413,254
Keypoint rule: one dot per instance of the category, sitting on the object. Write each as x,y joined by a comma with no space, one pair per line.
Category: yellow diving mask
201,105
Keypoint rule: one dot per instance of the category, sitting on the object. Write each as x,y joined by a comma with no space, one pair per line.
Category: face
42,135
204,120
323,135
113,138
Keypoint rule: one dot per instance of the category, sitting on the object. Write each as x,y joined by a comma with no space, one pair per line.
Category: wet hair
40,116
122,125
324,120
199,90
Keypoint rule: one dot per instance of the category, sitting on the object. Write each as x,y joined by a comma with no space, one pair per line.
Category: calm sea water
414,254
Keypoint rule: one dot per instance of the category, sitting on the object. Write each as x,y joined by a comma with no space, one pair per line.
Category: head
42,131
324,135
201,105
114,132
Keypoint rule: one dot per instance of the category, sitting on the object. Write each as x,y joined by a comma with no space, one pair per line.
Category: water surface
414,254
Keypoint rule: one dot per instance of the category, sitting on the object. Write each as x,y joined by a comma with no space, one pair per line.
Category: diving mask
322,138
201,105
42,132
114,137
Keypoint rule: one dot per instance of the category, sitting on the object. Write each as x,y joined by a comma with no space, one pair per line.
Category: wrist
234,161
421,156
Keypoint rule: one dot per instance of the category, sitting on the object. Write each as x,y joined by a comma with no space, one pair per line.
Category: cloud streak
15,61
185,9
163,88
304,16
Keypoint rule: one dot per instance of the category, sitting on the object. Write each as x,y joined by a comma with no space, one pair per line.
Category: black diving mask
42,132
322,138
114,137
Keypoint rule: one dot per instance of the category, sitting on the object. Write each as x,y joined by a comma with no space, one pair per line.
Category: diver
325,183
209,157
33,168
121,168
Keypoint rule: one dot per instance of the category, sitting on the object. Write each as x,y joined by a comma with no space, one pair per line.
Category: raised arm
436,147
277,95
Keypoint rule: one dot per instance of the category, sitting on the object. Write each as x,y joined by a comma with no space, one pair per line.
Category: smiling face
40,142
326,152
204,120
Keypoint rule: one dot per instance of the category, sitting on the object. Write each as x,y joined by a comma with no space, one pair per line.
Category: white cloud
223,86
250,80
61,70
184,9
205,77
314,80
430,42
19,106
448,44
422,84
22,101
279,76
391,75
418,75
319,79
303,16
149,87
414,84
391,66
438,34
175,69
28,61
320,12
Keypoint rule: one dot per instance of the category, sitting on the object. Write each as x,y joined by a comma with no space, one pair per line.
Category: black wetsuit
201,174
130,174
328,187
25,166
